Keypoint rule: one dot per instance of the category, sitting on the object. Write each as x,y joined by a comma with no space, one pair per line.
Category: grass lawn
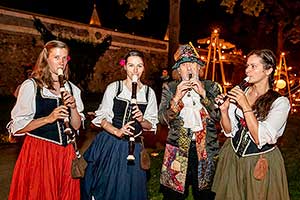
289,145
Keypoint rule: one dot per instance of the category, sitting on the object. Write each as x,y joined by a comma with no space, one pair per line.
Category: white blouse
24,109
271,128
105,110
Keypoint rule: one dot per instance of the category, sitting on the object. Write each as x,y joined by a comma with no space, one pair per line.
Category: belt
136,139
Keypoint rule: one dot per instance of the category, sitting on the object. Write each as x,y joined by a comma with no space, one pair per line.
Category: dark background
197,21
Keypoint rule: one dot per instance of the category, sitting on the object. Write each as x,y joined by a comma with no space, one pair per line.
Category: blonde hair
41,70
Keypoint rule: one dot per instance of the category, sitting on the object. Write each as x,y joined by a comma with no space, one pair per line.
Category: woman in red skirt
43,168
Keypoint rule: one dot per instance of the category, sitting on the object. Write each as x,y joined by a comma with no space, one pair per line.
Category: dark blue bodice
53,132
122,108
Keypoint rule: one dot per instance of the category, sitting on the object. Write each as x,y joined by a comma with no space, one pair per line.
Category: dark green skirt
234,178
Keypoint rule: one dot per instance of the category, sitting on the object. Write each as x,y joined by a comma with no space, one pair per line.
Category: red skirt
43,172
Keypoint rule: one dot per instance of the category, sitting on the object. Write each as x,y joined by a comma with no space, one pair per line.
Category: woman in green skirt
250,164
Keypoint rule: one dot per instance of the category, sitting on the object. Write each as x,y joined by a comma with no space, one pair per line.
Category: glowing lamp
280,84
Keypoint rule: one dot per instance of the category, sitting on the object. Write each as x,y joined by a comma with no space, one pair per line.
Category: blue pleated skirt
109,176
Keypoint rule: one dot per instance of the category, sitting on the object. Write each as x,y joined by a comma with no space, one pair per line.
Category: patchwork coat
174,168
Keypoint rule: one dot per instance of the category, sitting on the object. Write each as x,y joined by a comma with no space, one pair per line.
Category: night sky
197,20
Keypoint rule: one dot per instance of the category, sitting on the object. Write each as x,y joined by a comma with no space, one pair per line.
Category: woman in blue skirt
109,175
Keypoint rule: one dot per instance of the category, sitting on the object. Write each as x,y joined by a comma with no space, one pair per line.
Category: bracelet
247,111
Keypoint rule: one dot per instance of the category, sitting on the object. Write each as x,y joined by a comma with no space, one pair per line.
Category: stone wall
21,43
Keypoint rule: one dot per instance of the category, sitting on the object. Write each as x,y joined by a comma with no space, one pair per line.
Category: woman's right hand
125,130
223,107
61,112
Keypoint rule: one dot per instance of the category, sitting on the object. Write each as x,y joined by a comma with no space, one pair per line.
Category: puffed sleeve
151,110
233,121
24,109
105,109
79,104
273,126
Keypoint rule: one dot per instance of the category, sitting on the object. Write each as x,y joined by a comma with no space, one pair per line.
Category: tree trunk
174,29
280,41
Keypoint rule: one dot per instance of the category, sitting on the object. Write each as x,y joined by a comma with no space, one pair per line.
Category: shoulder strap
147,93
118,88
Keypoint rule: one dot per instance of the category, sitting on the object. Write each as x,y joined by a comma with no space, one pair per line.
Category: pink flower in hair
122,62
68,58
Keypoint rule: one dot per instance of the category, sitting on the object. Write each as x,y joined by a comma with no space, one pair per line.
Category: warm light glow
245,56
280,84
223,57
290,68
154,154
208,41
202,57
216,31
282,53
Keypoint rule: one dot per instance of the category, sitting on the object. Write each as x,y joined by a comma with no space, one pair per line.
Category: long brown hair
41,70
263,104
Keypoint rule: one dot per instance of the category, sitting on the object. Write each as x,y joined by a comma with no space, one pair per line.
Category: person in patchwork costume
188,109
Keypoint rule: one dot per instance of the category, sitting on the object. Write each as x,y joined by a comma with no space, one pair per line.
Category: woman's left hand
239,96
137,114
198,87
69,100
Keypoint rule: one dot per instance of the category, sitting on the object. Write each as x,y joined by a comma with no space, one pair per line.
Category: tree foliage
269,17
250,7
136,8
84,54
